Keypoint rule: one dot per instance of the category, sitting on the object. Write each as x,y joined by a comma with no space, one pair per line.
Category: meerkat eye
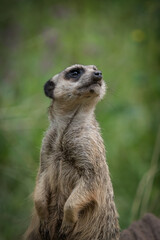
74,73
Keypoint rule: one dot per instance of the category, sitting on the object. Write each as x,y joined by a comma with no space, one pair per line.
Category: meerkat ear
49,89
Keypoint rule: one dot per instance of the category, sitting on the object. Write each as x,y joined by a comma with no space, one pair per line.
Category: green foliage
39,39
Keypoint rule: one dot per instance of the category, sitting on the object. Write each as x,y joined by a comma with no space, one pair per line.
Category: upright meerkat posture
73,195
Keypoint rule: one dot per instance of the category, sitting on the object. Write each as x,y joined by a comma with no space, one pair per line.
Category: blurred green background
41,38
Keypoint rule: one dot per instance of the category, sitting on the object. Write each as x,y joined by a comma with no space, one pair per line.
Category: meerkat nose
97,75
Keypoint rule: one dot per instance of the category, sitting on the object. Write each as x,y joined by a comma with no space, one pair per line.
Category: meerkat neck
79,115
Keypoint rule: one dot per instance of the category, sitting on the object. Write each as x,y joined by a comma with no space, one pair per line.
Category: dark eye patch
74,74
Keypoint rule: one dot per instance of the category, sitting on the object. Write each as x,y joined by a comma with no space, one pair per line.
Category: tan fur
73,195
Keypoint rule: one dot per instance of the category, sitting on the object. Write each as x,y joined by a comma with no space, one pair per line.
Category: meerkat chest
59,164
68,155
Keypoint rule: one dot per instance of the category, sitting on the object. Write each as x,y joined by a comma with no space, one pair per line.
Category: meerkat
73,197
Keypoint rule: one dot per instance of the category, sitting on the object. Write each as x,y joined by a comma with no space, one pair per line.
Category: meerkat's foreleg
78,199
40,196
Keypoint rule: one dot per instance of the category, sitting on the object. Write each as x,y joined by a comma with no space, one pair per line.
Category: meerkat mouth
99,84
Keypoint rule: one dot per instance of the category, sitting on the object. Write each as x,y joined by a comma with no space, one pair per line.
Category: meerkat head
77,83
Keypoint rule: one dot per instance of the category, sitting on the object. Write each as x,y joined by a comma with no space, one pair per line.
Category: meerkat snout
97,77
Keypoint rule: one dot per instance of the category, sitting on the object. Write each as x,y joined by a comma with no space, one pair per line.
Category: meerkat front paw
67,227
70,217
